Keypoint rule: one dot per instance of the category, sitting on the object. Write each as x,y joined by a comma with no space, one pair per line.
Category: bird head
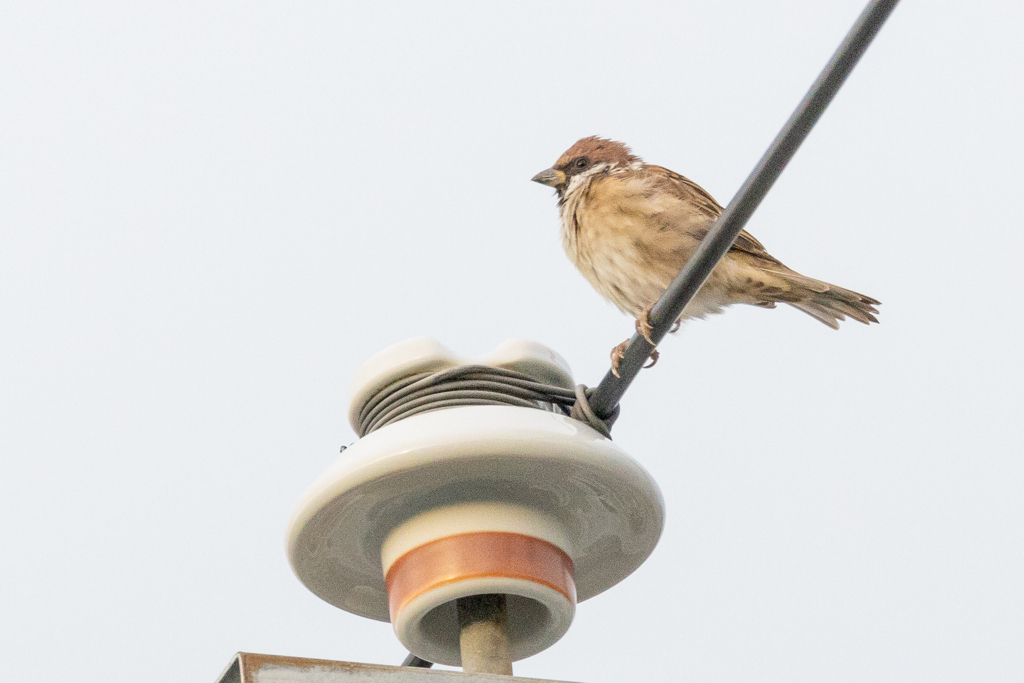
586,158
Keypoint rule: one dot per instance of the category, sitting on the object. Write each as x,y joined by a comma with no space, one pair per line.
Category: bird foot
617,353
643,324
620,351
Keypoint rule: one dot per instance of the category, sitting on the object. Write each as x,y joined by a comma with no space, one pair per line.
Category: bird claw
644,329
617,353
643,324
620,351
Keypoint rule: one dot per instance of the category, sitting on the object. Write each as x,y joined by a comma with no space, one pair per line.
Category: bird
630,227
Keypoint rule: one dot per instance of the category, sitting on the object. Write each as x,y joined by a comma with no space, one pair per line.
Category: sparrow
630,227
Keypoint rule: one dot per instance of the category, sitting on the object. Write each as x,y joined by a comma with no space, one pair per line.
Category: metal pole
483,639
725,230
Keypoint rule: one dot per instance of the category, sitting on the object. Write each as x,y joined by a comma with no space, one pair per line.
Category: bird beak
549,177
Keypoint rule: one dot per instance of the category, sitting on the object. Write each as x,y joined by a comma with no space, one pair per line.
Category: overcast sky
211,213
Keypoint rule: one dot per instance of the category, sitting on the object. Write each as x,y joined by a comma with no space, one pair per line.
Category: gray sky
213,212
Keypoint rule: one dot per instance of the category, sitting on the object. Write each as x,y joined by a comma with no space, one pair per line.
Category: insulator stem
483,637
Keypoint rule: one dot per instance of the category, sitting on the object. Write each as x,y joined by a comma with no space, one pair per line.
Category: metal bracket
247,667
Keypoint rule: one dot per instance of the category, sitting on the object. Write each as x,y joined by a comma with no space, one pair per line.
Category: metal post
728,226
483,638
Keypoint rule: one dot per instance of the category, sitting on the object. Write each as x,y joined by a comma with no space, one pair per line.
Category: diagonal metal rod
417,663
717,242
728,226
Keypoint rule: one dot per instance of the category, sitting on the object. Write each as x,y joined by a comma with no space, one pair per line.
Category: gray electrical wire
474,385
716,243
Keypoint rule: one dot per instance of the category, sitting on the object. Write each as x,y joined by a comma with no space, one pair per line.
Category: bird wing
696,196
686,190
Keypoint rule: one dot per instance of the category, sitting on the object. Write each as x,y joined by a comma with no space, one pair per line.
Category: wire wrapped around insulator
470,385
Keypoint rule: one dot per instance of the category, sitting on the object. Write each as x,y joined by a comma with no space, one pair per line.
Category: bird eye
582,162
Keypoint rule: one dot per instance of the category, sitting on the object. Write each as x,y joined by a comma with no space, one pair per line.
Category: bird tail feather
827,303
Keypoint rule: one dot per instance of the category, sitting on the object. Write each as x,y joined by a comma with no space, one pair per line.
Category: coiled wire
474,385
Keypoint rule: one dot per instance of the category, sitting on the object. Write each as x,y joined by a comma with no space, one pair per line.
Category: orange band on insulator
474,555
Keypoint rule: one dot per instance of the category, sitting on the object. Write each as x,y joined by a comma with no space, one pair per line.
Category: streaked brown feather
630,227
697,197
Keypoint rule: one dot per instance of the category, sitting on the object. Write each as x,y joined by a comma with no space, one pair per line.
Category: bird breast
627,239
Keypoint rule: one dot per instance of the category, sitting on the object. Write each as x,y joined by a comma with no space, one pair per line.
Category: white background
213,212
